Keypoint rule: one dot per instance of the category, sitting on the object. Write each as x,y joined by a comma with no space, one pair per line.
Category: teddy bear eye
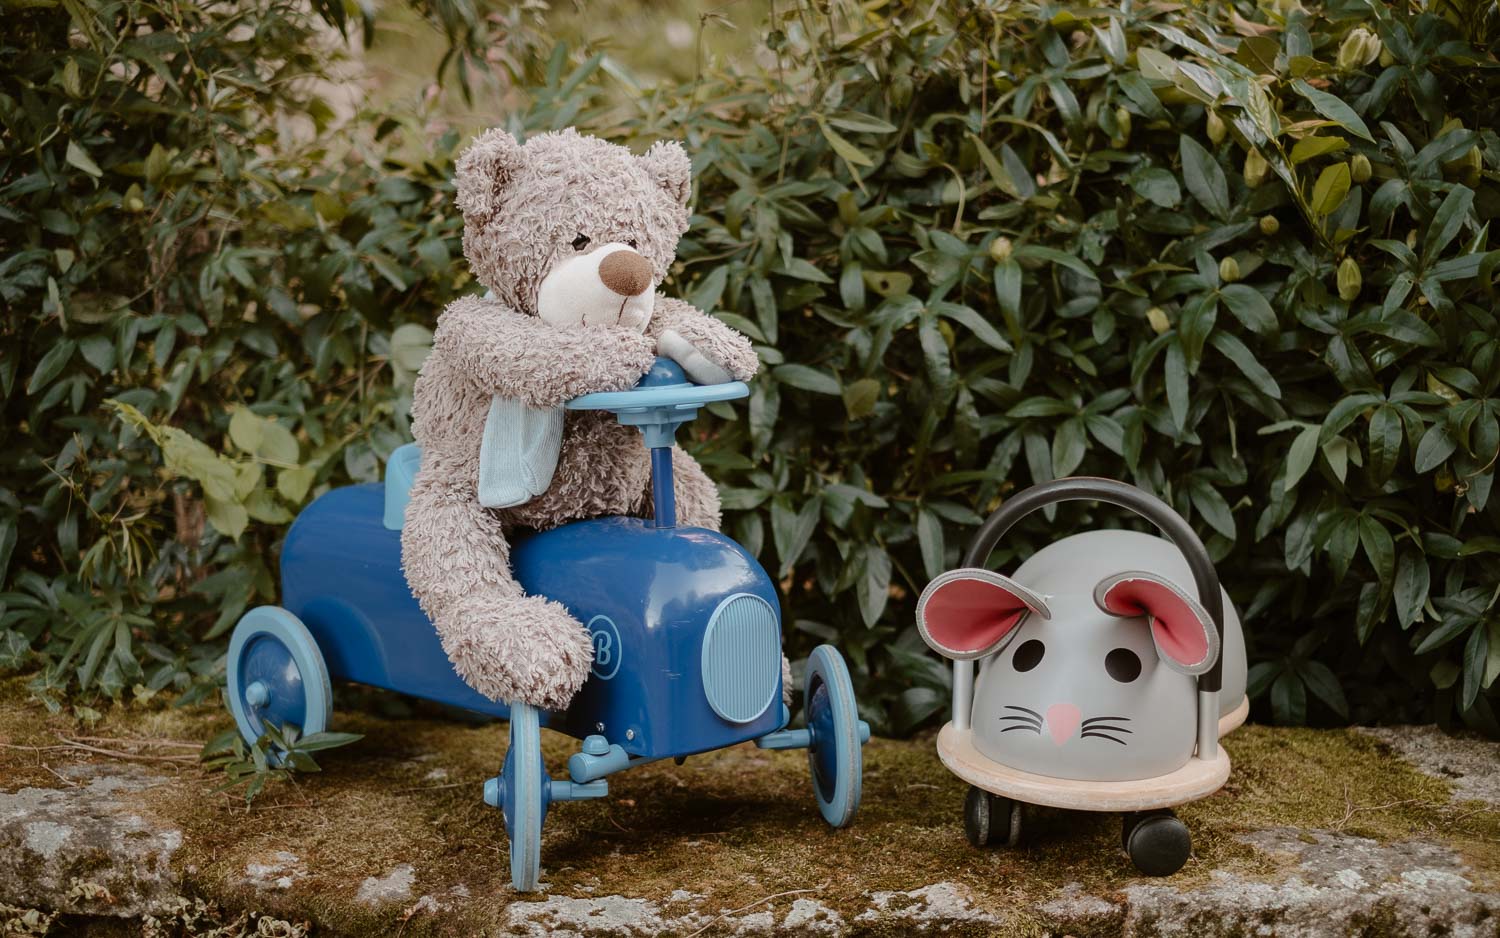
580,242
632,244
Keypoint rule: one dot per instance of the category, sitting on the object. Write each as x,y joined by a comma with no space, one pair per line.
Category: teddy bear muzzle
609,286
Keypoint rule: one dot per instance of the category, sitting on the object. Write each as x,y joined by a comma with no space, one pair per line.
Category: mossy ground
732,827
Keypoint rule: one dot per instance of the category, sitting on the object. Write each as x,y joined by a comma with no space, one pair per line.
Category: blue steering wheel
662,401
665,385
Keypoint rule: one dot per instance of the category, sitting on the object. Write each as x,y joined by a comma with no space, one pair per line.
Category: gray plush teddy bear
571,235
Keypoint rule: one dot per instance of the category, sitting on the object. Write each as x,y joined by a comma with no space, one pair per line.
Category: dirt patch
393,832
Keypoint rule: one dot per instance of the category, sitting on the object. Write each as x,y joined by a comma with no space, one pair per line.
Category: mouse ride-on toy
1185,717
685,623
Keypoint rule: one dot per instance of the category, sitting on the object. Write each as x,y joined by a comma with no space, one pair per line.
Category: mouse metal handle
1153,509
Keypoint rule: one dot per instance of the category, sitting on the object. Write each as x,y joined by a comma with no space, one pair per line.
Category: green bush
977,247
987,247
179,240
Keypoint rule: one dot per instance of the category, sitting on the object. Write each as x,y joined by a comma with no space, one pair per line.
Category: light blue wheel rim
523,801
274,659
833,756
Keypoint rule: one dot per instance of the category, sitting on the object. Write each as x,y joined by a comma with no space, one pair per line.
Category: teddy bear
571,235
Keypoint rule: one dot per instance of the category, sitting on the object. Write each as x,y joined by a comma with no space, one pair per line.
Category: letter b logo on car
607,650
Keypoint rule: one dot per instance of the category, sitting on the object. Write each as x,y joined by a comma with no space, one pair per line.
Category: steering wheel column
663,401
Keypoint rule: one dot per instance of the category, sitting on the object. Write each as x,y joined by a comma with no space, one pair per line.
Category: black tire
991,819
1158,843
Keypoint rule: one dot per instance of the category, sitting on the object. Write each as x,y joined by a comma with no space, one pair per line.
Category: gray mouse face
1083,696
1094,686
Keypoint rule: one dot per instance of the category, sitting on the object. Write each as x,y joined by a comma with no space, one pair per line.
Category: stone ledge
1317,833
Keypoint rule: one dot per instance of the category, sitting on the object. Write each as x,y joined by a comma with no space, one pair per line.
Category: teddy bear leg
504,644
697,495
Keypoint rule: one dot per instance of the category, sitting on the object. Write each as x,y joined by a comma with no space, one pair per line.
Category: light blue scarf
518,453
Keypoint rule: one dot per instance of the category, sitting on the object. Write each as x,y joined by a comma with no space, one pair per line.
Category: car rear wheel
276,674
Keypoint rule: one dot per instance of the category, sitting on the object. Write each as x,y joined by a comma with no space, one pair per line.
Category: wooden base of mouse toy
1200,777
1232,720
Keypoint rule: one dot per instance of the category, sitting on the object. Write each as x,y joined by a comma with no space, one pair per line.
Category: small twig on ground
1465,815
134,756
746,908
429,787
33,748
138,741
60,777
1351,809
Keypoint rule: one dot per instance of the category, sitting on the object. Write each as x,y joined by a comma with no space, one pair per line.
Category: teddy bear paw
698,366
526,649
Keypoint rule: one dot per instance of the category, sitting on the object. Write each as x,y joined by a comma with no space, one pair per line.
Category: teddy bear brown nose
626,272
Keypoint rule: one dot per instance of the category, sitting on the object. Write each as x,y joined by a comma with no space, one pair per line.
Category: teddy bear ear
484,170
667,163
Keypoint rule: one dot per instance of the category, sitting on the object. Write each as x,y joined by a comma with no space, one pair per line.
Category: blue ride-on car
685,623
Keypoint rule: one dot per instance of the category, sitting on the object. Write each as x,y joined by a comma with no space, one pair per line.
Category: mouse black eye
1123,665
632,244
1029,655
580,242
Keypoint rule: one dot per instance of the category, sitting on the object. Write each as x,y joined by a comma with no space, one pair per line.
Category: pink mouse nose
1062,722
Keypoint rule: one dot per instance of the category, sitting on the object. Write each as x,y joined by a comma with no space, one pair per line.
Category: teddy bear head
570,227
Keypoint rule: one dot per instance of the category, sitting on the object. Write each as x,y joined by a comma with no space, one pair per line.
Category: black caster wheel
1158,843
991,819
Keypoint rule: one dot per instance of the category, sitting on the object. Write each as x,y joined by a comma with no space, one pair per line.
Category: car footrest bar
785,739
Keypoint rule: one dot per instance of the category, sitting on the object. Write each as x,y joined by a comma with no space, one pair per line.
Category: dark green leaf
1324,685
1436,446
1379,547
1249,307
1412,582
1385,441
1300,457
873,587
808,379
930,539
50,365
1447,221
1245,360
1205,180
1331,107
1289,699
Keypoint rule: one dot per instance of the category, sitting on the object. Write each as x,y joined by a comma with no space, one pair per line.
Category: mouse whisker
1103,719
1023,710
1098,735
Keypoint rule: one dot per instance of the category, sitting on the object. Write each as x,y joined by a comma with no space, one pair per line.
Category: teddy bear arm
513,355
505,644
714,339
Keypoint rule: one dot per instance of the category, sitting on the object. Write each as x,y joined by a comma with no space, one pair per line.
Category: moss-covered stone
393,831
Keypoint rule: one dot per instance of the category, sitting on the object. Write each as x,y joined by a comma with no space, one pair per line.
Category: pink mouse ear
1185,637
970,612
